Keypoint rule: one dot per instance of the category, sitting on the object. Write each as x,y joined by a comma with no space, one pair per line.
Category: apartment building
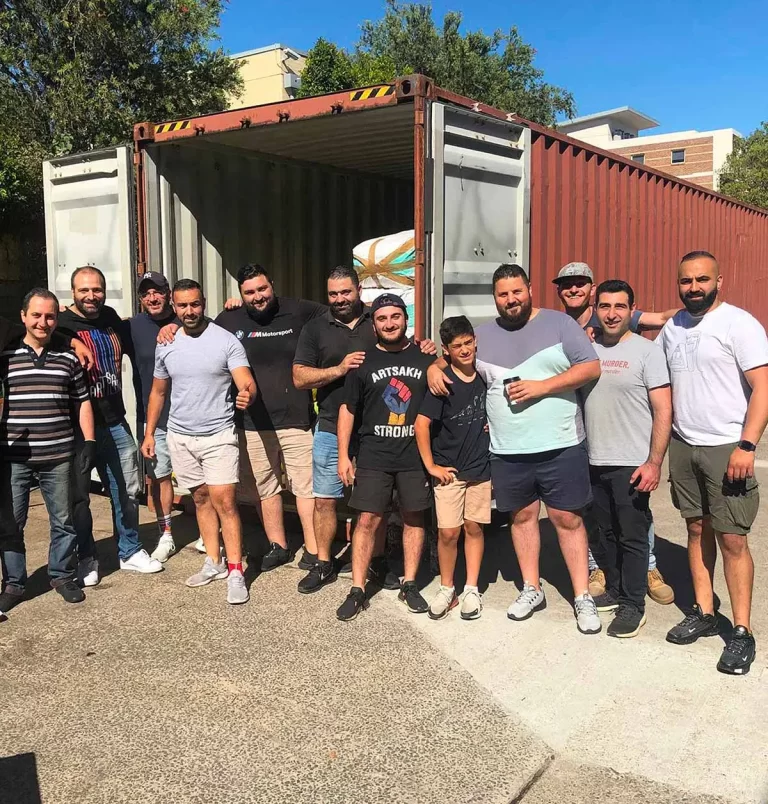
270,74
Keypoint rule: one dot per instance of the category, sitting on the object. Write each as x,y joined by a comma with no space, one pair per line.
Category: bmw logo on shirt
239,334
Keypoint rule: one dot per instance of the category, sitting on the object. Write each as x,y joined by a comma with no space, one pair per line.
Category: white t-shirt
707,358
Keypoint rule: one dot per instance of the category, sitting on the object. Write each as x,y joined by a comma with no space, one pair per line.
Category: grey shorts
700,487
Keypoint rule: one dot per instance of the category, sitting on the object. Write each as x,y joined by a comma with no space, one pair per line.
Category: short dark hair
510,271
615,286
43,293
187,284
697,255
455,327
344,272
84,269
251,270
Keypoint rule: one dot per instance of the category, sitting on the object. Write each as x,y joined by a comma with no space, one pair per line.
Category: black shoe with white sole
606,602
410,595
627,622
320,575
695,625
738,654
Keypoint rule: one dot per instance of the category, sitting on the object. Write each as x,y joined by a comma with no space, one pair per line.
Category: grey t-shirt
617,409
201,372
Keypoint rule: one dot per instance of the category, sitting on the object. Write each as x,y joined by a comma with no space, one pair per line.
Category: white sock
470,589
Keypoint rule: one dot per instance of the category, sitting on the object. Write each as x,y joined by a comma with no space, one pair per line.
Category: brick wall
698,157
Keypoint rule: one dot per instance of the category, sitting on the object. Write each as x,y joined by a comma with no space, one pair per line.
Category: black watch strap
747,446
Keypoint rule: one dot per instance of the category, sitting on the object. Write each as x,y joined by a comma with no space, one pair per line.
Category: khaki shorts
268,456
700,488
463,500
212,460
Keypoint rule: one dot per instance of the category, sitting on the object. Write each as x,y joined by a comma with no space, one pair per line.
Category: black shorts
372,491
559,478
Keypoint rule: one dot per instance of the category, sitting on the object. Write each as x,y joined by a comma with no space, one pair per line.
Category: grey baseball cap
573,270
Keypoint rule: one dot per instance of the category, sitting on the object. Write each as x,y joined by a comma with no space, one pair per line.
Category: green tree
745,173
77,75
497,69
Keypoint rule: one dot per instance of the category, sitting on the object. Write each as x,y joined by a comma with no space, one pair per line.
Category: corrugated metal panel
634,224
212,210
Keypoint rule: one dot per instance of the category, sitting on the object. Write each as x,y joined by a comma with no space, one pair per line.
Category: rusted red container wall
632,224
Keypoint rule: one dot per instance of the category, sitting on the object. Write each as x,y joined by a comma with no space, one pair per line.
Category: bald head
699,282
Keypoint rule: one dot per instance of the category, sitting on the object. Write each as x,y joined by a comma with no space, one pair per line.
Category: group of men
571,409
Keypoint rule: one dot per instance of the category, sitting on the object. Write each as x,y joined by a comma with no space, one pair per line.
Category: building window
638,158
678,156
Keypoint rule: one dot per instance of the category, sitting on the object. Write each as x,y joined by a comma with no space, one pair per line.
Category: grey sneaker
237,591
443,602
528,601
471,604
209,572
585,611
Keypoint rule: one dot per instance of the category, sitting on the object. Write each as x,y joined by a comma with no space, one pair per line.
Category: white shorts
211,460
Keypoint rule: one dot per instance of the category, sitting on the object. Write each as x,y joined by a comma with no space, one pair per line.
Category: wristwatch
747,446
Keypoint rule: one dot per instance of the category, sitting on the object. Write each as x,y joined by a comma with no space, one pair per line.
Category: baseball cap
387,300
574,269
156,278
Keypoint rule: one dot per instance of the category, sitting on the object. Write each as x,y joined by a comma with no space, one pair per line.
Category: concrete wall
262,73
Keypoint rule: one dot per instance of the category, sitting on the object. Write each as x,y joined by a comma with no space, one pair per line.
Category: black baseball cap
388,300
155,278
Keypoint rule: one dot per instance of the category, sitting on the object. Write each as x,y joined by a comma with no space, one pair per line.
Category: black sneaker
308,560
738,654
627,622
410,595
8,600
320,574
353,605
276,557
606,602
381,575
345,571
695,625
71,592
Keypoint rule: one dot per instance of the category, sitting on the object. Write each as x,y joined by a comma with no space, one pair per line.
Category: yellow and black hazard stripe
372,92
164,128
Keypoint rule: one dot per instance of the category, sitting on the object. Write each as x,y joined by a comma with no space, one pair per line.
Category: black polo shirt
325,342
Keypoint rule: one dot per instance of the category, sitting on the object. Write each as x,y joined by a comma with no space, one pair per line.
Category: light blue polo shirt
549,344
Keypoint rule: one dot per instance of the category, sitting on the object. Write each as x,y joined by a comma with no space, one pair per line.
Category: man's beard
519,317
262,315
700,305
80,305
348,312
391,338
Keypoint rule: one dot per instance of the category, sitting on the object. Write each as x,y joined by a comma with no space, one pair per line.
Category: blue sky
690,65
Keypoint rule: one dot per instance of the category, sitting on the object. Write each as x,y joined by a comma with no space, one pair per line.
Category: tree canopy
77,75
745,173
497,69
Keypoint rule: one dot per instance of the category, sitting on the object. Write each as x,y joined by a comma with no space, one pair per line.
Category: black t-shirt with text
459,436
109,338
385,395
144,331
270,345
324,343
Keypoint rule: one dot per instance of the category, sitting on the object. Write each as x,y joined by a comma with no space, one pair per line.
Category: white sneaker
237,591
209,572
471,604
141,562
528,601
585,611
166,547
88,572
199,546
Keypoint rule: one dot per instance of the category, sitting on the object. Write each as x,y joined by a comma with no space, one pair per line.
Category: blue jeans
54,480
118,467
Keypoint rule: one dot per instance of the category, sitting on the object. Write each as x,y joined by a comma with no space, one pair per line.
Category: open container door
478,208
90,220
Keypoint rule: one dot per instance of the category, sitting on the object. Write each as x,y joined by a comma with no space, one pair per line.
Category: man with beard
718,363
275,433
533,361
381,401
576,291
155,298
108,337
199,366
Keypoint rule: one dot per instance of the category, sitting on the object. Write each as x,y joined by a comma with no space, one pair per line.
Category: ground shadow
18,780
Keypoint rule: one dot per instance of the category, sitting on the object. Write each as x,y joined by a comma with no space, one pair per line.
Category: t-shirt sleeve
236,356
307,353
310,309
78,389
655,371
353,391
634,321
576,345
161,372
432,406
749,343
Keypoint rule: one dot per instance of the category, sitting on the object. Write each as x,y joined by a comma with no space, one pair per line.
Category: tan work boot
658,590
597,583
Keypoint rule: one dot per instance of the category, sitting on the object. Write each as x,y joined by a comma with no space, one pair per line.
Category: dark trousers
622,517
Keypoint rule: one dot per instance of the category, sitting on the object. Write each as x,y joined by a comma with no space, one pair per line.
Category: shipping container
295,185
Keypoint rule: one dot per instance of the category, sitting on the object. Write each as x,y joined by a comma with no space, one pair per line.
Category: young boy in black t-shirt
453,441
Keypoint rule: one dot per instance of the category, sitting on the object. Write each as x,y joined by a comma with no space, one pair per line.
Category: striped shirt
40,394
